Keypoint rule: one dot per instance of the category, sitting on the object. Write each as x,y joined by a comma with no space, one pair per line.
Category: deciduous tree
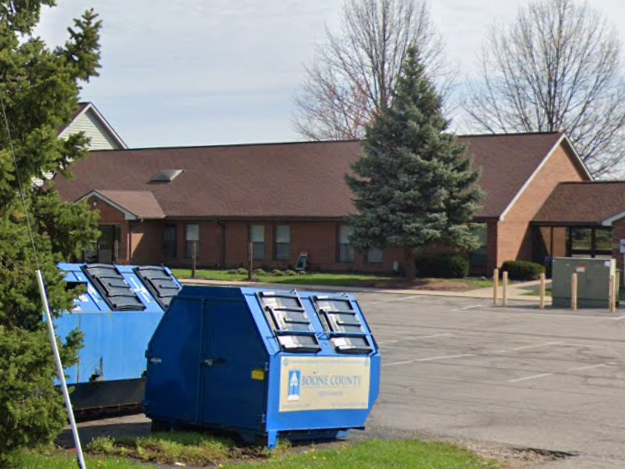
355,70
556,68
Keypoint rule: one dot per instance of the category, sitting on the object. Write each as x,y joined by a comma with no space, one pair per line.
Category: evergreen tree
414,186
39,88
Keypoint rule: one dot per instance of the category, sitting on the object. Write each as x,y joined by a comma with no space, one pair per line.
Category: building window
170,241
257,237
478,259
282,251
375,256
345,249
589,242
192,236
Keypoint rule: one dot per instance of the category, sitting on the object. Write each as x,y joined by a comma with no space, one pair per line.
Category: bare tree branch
557,68
355,71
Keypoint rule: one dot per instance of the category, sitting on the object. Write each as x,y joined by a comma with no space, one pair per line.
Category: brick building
290,198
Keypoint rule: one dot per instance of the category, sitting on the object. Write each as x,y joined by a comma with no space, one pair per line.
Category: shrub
302,272
260,272
277,273
443,266
522,270
232,271
242,271
290,273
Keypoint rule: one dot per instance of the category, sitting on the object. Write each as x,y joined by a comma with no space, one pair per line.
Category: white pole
59,369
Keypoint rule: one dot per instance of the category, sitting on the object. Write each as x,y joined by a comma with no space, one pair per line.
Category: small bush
260,272
232,271
290,273
522,270
242,271
278,273
302,272
443,266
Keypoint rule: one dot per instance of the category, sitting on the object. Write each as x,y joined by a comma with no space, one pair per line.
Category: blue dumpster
117,314
262,364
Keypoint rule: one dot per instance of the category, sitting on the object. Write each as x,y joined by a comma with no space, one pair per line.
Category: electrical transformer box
593,281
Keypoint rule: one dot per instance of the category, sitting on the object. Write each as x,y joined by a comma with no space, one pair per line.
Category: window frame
257,244
345,248
277,244
375,262
174,242
188,245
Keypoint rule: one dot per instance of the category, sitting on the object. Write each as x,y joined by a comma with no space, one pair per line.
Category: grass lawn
196,450
50,458
339,280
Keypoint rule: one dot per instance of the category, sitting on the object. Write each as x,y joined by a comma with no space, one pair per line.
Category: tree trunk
410,272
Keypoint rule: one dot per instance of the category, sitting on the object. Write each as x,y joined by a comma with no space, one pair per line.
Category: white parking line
466,308
393,300
518,380
588,367
527,347
397,363
429,359
386,342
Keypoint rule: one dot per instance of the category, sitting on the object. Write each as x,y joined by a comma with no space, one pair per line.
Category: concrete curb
481,293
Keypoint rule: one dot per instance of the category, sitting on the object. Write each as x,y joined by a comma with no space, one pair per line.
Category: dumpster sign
324,383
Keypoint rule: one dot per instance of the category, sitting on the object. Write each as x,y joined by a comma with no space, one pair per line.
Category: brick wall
514,234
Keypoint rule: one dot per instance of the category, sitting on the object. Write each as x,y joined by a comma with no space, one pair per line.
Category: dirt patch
513,457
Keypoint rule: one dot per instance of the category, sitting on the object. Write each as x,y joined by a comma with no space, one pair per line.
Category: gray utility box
593,281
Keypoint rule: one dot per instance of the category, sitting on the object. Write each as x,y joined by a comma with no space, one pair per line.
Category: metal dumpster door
233,368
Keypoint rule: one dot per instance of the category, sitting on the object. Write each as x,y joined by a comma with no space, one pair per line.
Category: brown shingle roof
284,179
141,204
583,203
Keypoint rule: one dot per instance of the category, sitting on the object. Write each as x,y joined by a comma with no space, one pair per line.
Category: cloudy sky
198,72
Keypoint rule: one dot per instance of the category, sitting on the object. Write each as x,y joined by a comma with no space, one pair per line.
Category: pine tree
414,186
39,88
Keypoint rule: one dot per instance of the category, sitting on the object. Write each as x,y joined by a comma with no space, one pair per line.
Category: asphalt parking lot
461,368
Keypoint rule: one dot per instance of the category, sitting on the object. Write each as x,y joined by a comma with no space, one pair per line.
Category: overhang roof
299,180
134,204
584,203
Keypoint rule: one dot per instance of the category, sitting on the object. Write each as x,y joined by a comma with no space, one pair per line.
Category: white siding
101,139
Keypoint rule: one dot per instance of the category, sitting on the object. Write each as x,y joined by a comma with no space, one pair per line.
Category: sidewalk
516,291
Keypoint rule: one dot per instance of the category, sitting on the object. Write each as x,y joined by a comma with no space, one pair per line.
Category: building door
109,244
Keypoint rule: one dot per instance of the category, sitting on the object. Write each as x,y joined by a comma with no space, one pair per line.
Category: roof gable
294,180
89,119
133,204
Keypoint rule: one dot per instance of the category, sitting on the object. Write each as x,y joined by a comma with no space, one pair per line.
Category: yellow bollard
504,296
543,288
495,286
574,292
613,291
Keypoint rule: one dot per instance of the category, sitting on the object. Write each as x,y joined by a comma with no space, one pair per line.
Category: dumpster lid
110,283
159,282
286,314
342,323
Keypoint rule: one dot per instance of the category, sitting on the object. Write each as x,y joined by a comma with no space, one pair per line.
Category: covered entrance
108,244
571,241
